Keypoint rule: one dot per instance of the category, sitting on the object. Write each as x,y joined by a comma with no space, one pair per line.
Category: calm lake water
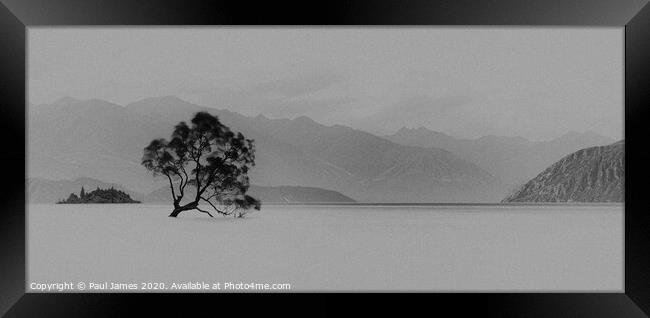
334,248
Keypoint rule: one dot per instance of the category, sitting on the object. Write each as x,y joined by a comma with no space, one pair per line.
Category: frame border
634,15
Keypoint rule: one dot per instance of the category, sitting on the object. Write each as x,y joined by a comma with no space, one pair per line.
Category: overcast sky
536,83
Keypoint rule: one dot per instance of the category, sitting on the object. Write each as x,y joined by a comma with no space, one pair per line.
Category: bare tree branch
199,209
171,185
213,206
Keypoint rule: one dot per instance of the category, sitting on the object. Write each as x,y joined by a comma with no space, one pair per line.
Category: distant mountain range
49,191
595,174
514,160
291,194
93,138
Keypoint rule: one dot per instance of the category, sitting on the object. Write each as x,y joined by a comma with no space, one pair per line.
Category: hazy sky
537,83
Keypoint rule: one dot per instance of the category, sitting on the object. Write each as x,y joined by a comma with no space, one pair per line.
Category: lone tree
211,160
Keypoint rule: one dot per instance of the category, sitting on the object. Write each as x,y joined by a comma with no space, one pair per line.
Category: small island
98,196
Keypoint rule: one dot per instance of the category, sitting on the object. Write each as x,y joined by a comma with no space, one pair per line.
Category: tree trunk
175,212
178,209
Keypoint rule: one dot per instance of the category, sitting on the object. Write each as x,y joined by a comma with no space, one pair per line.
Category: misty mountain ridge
514,160
104,140
356,162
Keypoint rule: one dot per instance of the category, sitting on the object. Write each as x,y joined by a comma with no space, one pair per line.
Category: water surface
335,248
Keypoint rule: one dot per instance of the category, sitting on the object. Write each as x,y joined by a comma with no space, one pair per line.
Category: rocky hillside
595,174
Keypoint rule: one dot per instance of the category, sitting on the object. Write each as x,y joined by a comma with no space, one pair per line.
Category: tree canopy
207,165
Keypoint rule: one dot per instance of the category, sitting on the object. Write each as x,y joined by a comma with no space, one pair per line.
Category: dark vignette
12,158
460,12
321,12
637,100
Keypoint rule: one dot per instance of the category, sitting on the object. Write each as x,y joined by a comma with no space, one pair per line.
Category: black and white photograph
324,159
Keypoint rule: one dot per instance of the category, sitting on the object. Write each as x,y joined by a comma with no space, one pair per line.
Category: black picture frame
17,15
